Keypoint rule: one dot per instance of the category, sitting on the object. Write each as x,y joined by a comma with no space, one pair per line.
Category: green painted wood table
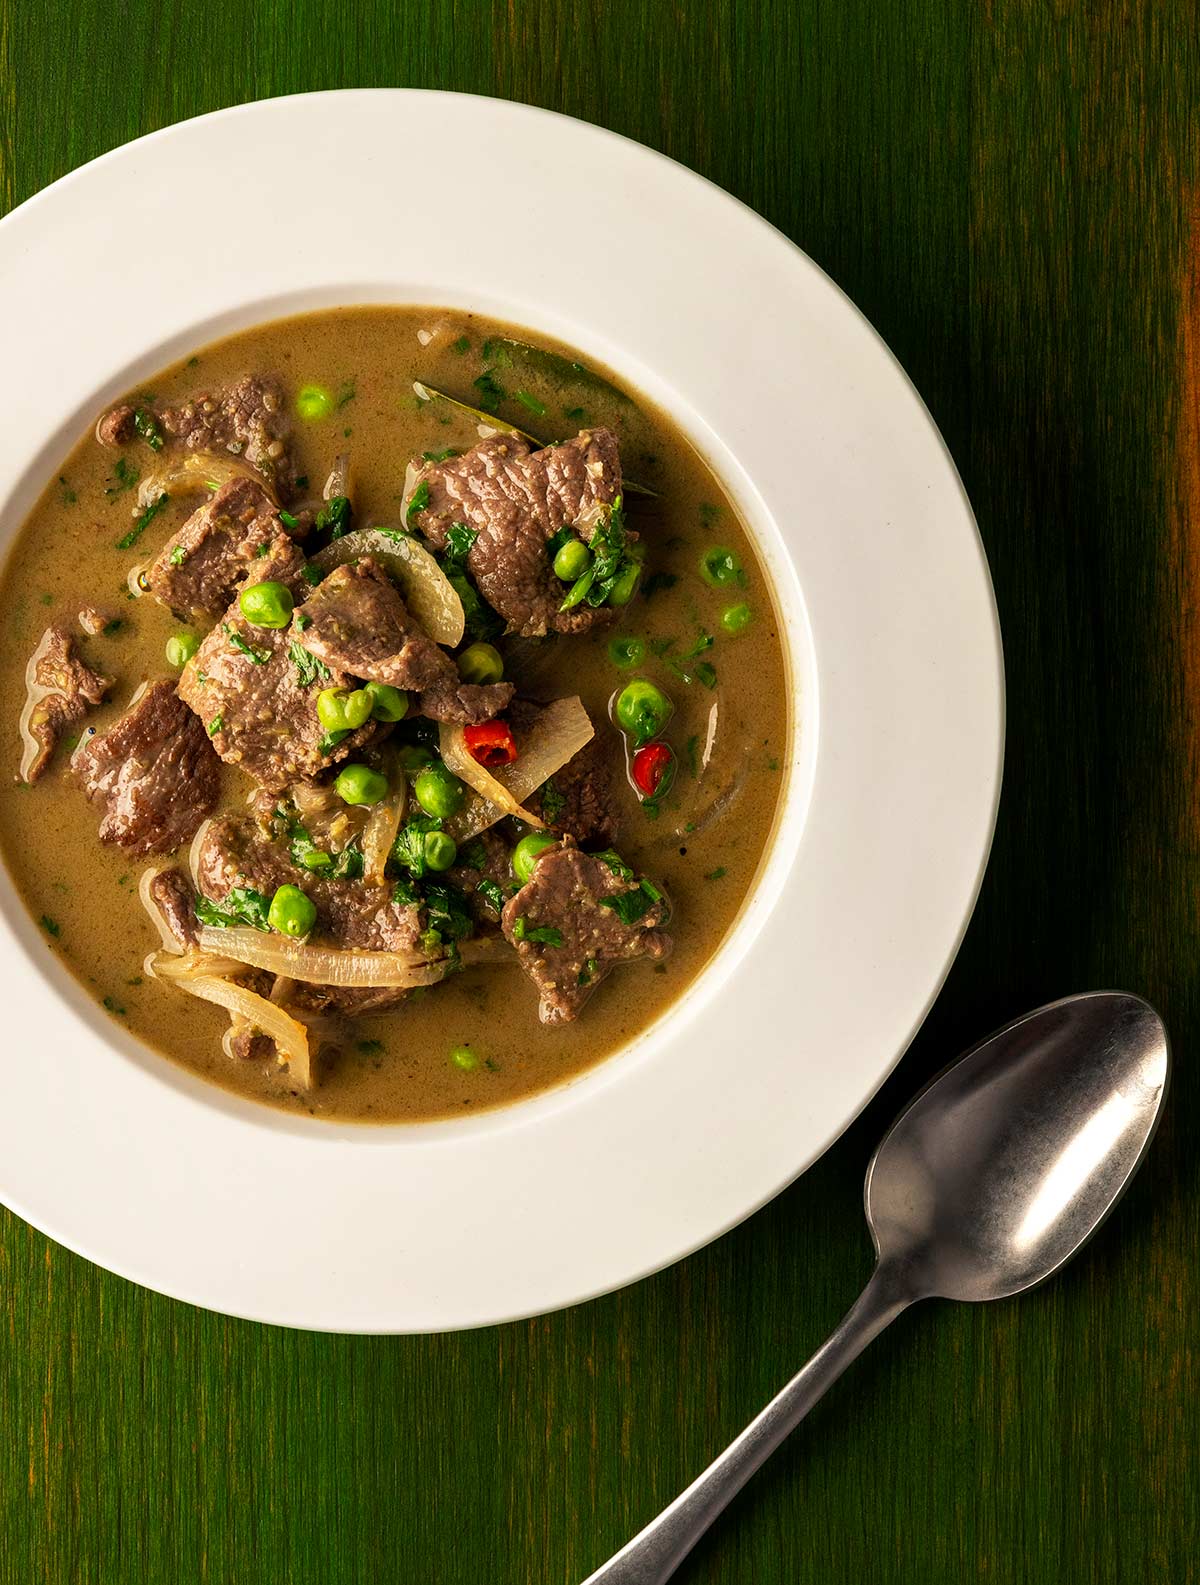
1008,189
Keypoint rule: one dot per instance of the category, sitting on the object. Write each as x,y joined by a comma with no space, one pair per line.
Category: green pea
267,604
387,703
343,710
314,401
719,567
463,1057
413,757
736,618
440,850
626,652
527,852
642,710
181,647
359,784
438,792
481,663
291,912
626,585
572,561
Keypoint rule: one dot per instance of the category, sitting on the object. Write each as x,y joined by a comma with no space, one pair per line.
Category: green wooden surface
1005,188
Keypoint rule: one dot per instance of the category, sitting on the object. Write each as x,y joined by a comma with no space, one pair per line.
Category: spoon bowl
1009,1160
989,1181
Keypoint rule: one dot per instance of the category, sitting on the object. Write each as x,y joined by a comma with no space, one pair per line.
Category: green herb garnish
527,399
178,556
418,501
439,456
51,926
143,522
125,476
253,652
308,667
552,801
459,540
242,906
491,394
146,425
216,724
543,935
335,517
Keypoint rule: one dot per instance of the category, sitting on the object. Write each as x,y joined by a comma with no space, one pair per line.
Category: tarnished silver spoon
991,1179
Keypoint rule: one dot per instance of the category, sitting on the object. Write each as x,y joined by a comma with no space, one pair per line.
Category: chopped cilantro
439,456
490,393
408,850
288,519
348,866
527,399
346,392
242,906
418,501
311,575
544,935
706,673
461,346
216,725
308,667
552,801
125,476
335,517
146,425
630,906
178,556
51,926
112,627
143,522
113,1006
587,972
459,540
717,874
331,740
573,412
449,911
371,1048
482,622
253,652
615,863
473,856
492,893
405,894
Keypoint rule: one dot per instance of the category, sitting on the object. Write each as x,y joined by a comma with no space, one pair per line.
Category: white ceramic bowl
888,802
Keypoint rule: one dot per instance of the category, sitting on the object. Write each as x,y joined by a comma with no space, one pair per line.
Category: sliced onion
452,745
427,591
338,482
380,831
290,1037
195,849
193,472
345,966
559,733
191,965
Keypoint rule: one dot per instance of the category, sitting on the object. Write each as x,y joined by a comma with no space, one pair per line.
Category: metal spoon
995,1175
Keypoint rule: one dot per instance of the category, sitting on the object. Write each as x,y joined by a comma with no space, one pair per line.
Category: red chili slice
491,743
650,765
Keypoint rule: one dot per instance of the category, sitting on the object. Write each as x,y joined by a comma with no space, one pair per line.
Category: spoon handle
657,1551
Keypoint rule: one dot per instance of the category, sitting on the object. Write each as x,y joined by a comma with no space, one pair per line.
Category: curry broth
704,849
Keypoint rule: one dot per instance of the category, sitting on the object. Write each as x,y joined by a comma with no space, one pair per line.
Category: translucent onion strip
344,966
194,472
380,831
562,729
290,1037
427,591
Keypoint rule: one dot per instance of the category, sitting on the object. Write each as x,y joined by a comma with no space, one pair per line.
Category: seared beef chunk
466,703
576,918
255,689
581,799
355,620
484,874
60,690
248,420
172,893
220,547
515,500
247,1045
154,771
352,913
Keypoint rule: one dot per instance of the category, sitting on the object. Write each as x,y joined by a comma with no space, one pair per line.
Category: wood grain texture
1004,188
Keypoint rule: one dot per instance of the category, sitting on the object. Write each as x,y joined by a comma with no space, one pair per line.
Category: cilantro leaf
146,425
308,668
459,541
242,906
143,522
417,501
253,652
545,935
